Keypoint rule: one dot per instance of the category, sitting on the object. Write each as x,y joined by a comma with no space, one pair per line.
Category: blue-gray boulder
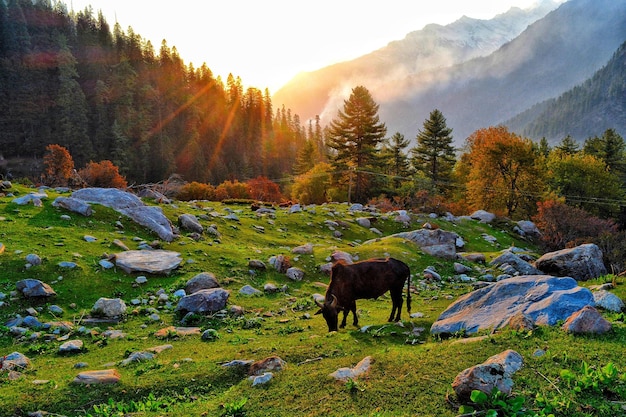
544,299
581,263
204,301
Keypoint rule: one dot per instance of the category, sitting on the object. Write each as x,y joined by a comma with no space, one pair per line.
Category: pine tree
396,159
568,146
354,136
434,153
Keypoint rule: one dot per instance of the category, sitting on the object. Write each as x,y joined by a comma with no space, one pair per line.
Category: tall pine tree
434,153
354,136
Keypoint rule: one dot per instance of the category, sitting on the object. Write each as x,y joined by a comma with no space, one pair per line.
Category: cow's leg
396,299
355,320
345,316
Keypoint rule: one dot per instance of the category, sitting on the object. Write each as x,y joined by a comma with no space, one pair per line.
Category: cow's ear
318,311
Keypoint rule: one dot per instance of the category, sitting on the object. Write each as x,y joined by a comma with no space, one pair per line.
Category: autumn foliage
58,165
196,191
102,174
566,226
263,189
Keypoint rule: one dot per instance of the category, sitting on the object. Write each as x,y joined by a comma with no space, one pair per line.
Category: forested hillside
599,102
105,93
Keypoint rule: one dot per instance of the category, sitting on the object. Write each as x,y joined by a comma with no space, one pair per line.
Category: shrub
564,226
263,189
231,189
58,165
196,191
102,174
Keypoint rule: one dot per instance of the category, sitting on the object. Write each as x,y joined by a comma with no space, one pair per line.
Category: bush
231,189
196,191
58,164
102,174
564,226
262,189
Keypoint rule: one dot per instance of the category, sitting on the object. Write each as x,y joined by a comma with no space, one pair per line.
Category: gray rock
474,257
608,301
156,261
519,266
459,268
528,228
581,263
34,288
305,249
109,307
71,346
190,223
32,322
361,368
138,357
74,205
204,301
436,242
202,281
587,321
280,263
364,222
495,372
483,216
257,264
249,290
545,299
131,206
14,361
32,198
67,264
55,309
261,379
295,274
33,259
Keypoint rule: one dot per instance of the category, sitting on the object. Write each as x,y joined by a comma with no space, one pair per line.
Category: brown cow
366,279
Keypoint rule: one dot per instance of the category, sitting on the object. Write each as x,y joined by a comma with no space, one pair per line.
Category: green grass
411,373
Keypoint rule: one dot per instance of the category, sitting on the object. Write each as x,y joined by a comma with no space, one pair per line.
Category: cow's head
330,311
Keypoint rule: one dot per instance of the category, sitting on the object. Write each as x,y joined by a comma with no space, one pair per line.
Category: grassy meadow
412,371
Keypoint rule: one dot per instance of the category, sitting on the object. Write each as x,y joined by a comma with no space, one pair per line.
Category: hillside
551,56
433,47
599,103
411,371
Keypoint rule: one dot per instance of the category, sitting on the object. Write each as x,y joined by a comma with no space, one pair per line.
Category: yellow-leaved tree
503,172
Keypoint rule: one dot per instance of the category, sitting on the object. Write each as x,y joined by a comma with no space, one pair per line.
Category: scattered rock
14,361
204,301
295,274
249,290
581,263
157,261
587,320
483,216
521,322
190,223
33,259
478,258
137,357
495,372
280,263
270,364
202,281
109,308
257,264
261,379
106,376
520,266
437,242
361,368
545,299
71,346
33,288
608,301
305,249
172,331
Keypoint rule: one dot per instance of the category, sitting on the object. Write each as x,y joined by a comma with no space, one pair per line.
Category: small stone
141,279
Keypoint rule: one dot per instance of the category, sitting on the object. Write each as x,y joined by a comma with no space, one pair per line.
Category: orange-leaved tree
58,165
503,172
263,189
102,174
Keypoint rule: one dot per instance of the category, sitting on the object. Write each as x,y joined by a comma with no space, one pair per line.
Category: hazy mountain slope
587,109
434,46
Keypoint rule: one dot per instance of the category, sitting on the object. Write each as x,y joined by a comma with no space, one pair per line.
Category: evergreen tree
568,146
305,159
354,136
434,153
396,159
610,148
544,148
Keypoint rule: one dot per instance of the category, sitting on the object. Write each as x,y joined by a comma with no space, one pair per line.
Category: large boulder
150,261
587,320
204,301
581,263
544,299
202,281
109,308
131,206
436,242
190,222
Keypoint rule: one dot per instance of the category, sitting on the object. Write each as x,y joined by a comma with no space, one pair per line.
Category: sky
267,42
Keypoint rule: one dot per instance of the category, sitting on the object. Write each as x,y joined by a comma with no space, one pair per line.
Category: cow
366,279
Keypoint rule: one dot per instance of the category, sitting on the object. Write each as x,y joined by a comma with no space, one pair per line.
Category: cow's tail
408,292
